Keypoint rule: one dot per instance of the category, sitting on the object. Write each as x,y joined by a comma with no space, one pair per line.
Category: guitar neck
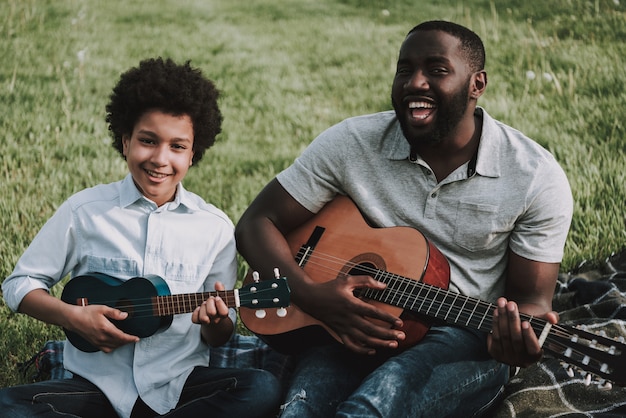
188,302
441,304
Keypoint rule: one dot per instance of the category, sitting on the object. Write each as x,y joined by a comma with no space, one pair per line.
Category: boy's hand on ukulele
93,323
350,317
212,311
513,341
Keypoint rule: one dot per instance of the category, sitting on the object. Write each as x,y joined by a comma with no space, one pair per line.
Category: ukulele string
173,304
404,294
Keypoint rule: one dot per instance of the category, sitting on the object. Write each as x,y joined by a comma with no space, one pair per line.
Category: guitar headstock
262,294
593,353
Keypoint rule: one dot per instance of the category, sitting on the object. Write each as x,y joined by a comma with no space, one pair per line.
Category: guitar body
346,244
338,241
134,296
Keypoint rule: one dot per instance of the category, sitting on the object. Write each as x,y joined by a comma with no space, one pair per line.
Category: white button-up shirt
113,229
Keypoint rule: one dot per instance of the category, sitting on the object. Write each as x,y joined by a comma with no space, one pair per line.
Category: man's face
430,91
159,153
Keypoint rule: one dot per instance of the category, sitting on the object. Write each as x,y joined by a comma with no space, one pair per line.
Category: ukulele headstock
261,294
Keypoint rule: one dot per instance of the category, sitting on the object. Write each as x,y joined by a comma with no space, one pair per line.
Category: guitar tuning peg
570,371
255,276
281,312
605,385
276,273
260,313
587,379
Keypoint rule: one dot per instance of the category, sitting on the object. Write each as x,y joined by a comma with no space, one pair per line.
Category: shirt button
428,172
434,195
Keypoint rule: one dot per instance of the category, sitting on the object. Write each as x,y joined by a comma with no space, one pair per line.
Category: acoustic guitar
151,306
338,241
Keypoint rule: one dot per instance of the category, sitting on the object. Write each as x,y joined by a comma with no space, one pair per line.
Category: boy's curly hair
158,84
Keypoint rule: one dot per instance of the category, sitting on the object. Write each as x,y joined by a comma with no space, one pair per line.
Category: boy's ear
125,143
478,85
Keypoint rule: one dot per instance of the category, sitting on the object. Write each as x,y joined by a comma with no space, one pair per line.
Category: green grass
288,69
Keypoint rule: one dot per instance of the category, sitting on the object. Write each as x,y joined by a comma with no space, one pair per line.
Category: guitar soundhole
366,264
364,269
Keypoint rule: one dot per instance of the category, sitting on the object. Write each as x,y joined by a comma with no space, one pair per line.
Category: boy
162,117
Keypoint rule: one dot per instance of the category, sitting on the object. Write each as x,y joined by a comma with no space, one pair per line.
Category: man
494,202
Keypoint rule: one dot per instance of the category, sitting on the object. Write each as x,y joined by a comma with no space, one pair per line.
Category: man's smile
420,110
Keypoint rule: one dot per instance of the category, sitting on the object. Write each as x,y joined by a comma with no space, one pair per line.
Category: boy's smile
158,153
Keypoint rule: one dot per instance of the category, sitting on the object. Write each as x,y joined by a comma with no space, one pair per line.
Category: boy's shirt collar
129,195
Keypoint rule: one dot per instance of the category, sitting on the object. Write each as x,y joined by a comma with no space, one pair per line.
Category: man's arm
260,236
529,289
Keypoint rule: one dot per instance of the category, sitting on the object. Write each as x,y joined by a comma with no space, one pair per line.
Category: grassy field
288,69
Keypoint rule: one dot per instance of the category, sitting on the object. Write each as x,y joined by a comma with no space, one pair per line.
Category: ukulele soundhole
126,305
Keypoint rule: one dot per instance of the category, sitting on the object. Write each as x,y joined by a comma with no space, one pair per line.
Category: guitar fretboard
438,303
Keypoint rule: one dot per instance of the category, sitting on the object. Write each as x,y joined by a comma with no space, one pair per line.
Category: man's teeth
421,105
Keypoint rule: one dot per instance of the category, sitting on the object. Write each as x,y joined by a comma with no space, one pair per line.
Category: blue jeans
449,373
208,392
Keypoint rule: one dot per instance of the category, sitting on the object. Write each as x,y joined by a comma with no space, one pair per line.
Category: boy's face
158,153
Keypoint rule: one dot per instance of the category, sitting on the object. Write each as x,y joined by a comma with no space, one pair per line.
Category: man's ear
478,85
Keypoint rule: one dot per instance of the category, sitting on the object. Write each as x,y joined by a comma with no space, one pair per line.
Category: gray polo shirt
517,197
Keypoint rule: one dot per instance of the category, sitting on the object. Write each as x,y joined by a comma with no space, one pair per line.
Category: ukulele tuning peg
276,273
255,276
605,385
281,312
587,379
570,371
260,313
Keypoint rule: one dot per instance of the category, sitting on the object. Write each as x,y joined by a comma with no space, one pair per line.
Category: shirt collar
396,147
129,194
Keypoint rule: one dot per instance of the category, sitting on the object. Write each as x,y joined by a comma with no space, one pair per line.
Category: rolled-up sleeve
45,262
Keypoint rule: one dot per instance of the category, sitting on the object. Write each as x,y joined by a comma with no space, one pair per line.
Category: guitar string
554,339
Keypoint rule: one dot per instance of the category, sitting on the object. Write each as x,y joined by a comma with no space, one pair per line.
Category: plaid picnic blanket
597,300
242,351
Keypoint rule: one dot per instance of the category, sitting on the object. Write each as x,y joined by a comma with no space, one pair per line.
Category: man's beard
449,113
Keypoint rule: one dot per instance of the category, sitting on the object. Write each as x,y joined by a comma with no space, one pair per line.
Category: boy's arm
91,322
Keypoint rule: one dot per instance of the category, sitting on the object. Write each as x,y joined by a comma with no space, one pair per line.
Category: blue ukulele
151,306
